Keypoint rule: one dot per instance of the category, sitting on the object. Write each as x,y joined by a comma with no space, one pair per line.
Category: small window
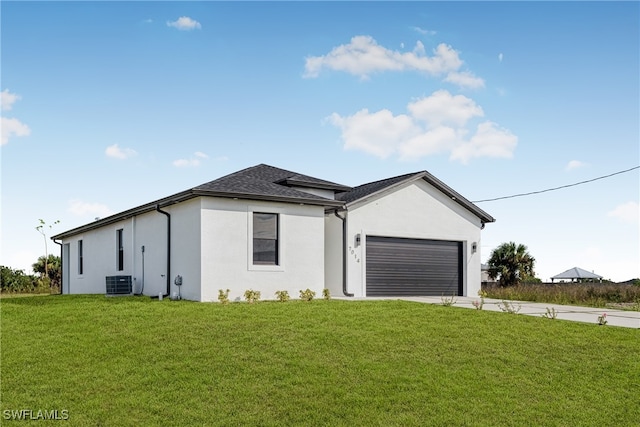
265,239
120,250
80,258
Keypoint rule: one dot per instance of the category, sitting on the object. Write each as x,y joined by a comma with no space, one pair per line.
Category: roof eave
441,186
458,198
139,210
186,195
248,196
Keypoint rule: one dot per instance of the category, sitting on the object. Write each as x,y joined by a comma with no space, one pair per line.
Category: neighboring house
269,229
484,274
576,274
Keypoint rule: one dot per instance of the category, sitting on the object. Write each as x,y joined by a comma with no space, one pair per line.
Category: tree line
47,277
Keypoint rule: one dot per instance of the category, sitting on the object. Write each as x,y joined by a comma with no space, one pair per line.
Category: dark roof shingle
365,190
267,181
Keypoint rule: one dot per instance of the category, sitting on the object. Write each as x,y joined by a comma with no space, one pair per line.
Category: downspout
344,252
61,265
168,249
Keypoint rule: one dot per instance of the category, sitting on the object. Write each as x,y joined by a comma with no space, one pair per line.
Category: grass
592,295
133,361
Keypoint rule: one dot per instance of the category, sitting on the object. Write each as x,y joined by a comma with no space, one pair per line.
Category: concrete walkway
626,319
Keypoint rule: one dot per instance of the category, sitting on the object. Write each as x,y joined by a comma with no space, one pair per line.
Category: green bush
251,296
223,296
307,295
283,296
16,281
326,294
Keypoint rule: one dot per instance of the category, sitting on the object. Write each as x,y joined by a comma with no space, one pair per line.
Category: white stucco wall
333,254
227,256
327,194
148,230
99,258
415,211
186,247
151,232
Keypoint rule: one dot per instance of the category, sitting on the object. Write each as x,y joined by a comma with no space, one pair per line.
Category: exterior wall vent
118,285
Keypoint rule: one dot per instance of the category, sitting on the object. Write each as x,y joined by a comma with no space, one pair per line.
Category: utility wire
557,188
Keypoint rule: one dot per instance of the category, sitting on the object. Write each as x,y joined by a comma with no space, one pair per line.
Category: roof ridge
390,178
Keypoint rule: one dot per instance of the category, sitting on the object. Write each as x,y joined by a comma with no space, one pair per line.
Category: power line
557,188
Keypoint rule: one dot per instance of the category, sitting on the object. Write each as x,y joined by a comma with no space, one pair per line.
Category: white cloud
437,123
443,108
433,141
7,99
12,127
194,161
488,141
184,23
119,153
423,31
627,212
374,133
80,208
465,79
500,56
364,56
574,164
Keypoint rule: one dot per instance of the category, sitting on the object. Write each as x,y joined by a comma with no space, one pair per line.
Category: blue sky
108,105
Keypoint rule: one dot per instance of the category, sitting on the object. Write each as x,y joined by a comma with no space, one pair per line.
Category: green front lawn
137,362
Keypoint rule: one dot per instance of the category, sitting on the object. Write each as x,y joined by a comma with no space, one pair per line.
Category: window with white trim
265,238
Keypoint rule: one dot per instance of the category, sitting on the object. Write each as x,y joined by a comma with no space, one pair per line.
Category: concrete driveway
626,319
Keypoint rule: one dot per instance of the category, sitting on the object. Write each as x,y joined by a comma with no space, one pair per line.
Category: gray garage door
413,267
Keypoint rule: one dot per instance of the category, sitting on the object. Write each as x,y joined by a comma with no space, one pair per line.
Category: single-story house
270,229
577,274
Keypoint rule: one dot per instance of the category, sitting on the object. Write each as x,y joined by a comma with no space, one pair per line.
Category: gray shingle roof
264,182
261,182
370,188
268,181
366,190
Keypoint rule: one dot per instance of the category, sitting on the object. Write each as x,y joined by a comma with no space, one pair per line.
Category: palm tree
51,269
510,264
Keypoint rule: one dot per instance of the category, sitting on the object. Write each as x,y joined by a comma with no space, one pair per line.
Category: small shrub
550,314
448,302
326,294
479,304
602,319
251,296
509,307
307,295
283,296
223,296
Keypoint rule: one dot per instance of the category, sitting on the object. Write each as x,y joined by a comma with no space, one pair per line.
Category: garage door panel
413,267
